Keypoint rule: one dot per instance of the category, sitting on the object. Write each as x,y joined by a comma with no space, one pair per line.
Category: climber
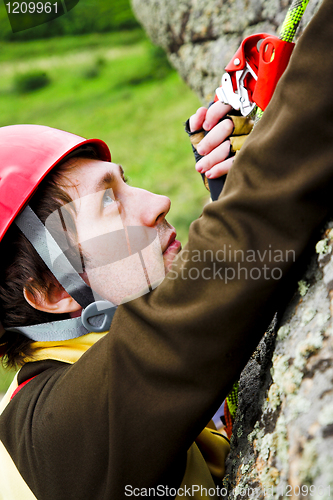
82,200
117,414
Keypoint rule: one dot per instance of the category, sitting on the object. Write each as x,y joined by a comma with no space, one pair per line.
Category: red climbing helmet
27,154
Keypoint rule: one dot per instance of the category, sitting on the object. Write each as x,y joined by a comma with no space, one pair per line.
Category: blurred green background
93,72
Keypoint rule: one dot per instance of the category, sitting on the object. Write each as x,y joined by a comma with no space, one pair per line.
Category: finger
218,155
220,169
196,120
215,137
214,114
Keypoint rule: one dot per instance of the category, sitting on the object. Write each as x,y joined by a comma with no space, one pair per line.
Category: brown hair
21,266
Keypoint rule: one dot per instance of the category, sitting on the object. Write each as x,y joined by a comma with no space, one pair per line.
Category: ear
56,300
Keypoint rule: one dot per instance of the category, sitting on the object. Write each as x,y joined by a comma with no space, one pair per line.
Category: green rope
287,33
292,20
232,400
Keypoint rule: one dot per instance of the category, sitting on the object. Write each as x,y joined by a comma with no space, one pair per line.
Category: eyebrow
108,178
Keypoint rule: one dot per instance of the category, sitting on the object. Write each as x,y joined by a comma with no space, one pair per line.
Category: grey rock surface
201,36
282,443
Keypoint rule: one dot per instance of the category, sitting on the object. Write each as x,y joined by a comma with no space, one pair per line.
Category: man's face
126,243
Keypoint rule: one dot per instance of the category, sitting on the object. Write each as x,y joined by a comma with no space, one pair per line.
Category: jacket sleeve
142,394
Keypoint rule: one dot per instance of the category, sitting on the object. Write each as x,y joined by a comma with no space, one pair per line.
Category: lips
171,239
172,245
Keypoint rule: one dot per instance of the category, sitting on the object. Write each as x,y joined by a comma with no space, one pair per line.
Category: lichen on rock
289,429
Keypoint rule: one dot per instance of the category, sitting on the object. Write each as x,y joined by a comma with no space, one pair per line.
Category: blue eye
107,198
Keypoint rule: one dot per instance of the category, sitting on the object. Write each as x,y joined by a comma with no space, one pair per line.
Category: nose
150,208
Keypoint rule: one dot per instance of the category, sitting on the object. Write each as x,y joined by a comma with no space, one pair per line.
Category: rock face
201,36
282,444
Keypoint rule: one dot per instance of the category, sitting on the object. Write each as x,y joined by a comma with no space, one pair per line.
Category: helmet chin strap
97,313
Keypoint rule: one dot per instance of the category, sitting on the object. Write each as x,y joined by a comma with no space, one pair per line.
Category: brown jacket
128,410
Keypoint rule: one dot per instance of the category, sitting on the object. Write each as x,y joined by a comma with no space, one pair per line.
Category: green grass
118,88
120,92
6,377
15,51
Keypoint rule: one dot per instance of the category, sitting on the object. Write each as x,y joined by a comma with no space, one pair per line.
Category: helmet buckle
95,309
